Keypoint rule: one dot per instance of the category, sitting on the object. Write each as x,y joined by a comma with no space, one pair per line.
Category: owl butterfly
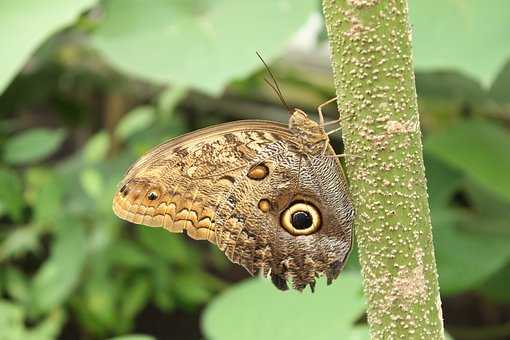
272,197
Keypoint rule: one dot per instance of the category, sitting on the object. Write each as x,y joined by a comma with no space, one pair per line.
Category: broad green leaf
499,89
48,196
465,258
97,147
128,253
95,306
58,276
191,289
201,44
449,85
496,287
138,291
444,95
20,34
170,247
32,145
133,337
11,320
168,100
49,328
480,149
11,194
92,182
469,35
162,278
12,324
258,310
19,241
16,284
442,181
136,120
490,213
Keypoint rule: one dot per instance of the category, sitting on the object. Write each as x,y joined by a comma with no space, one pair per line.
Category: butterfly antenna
274,85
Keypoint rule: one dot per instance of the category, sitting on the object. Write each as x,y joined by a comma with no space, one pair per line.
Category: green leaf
489,214
49,328
480,149
12,324
168,101
11,194
32,145
170,247
97,147
133,337
60,274
128,253
499,89
138,292
202,44
16,284
496,287
19,37
191,289
11,321
47,194
442,181
19,241
464,259
96,305
92,182
258,310
136,120
456,36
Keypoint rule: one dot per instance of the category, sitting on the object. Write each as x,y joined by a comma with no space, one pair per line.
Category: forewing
180,184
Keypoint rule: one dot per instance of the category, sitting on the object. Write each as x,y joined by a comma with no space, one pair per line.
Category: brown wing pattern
179,184
232,184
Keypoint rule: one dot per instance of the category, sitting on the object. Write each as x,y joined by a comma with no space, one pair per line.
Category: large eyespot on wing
301,218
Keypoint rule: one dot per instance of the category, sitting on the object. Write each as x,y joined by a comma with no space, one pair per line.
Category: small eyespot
151,196
264,205
258,172
301,219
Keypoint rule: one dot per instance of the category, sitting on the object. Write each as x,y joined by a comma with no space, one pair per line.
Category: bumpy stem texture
372,62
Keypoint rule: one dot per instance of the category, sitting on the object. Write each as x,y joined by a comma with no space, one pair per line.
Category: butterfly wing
231,184
180,184
258,233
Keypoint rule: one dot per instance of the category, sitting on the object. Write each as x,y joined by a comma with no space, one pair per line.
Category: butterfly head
309,132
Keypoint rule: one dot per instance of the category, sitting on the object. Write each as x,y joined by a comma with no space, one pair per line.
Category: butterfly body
272,197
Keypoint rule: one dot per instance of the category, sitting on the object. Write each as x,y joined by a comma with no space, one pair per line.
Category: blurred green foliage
75,117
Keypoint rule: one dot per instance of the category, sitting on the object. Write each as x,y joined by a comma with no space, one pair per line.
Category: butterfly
272,197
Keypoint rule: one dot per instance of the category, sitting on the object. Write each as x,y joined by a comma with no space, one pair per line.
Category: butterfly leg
319,109
344,155
333,131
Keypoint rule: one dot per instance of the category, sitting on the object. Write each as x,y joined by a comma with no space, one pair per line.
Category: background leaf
59,275
456,36
480,149
19,37
133,337
32,145
136,120
457,271
259,311
11,194
202,44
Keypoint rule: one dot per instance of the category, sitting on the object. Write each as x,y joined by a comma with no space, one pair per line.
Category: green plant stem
372,62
